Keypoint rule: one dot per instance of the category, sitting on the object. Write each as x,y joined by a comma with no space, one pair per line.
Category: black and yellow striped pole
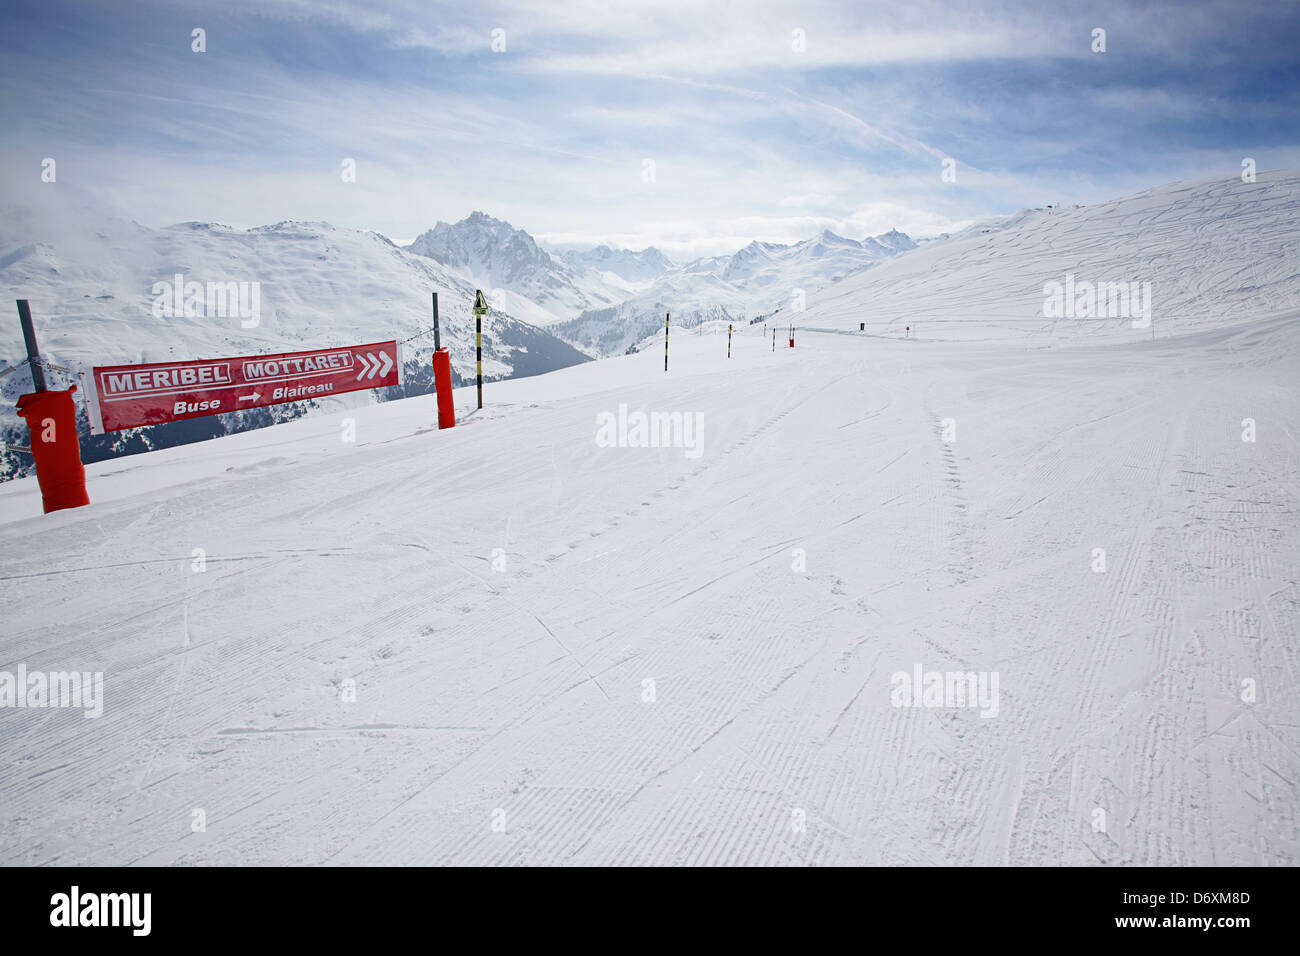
666,315
728,340
480,310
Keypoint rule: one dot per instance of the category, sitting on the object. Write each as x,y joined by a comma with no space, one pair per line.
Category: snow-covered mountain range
644,266
527,280
758,280
603,300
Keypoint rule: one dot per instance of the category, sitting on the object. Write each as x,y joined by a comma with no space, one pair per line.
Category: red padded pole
52,422
442,382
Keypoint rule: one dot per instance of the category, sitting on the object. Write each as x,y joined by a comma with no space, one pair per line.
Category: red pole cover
52,422
442,381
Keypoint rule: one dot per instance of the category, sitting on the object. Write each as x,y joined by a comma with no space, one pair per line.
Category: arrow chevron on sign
373,366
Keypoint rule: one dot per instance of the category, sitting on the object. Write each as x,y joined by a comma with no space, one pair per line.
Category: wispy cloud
688,125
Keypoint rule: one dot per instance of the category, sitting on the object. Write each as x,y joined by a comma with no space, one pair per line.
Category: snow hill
515,642
1213,251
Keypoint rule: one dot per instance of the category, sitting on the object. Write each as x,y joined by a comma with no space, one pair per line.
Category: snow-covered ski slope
1213,251
572,654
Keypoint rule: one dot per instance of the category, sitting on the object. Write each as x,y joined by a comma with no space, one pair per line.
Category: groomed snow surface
566,653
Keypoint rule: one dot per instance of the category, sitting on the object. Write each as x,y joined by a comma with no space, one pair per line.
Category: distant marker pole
728,340
480,310
666,315
774,338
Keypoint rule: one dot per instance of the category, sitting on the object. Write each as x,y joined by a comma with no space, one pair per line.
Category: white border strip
92,404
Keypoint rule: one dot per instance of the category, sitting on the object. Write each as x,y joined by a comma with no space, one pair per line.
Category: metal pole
437,337
728,340
33,353
666,315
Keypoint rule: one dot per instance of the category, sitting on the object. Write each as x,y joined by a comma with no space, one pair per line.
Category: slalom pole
480,310
666,315
728,340
774,338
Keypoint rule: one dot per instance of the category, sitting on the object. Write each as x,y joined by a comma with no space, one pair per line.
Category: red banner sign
128,396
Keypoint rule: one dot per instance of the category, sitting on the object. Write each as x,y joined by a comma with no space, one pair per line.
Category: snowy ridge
1213,250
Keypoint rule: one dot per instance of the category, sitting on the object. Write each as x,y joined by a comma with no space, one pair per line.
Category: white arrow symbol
388,363
369,365
254,397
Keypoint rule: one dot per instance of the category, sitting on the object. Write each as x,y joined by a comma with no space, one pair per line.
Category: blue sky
750,137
